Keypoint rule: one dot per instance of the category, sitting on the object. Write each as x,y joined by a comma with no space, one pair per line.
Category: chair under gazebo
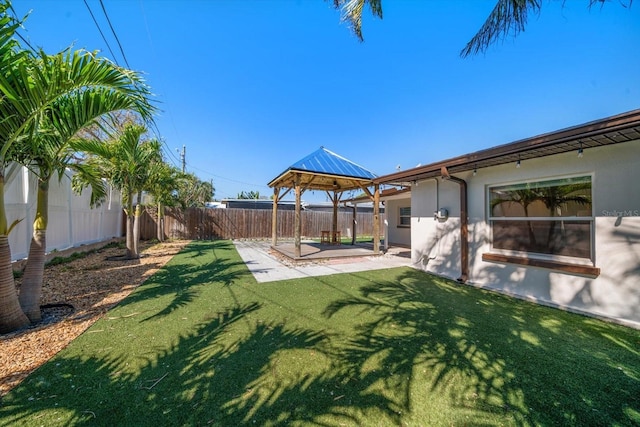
326,171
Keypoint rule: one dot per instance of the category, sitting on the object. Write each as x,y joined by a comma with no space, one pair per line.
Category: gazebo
327,171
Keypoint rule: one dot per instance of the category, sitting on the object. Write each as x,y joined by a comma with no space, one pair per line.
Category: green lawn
201,343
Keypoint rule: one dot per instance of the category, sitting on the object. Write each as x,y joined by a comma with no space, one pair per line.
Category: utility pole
183,157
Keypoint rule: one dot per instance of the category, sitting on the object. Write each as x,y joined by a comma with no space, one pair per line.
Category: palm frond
41,84
507,17
86,175
352,12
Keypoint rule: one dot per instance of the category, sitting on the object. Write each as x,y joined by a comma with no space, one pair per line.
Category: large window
547,217
404,219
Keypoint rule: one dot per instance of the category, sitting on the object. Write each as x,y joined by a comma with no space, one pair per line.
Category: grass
201,343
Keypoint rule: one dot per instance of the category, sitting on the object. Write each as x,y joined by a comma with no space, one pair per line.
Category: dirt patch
75,295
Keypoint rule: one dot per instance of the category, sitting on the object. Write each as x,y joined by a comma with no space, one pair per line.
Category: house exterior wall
435,244
614,293
398,236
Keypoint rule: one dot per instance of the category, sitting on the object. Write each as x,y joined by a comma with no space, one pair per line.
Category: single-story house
554,218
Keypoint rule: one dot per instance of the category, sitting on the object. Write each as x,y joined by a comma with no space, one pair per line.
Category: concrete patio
313,251
268,265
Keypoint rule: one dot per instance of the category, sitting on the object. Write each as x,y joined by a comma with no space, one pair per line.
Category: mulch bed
75,295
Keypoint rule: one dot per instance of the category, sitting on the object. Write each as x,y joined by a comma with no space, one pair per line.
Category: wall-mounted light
475,170
580,151
518,162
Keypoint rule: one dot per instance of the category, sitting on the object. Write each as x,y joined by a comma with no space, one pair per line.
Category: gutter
611,130
464,224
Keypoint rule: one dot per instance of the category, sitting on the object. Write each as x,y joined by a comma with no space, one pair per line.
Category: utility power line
101,33
113,31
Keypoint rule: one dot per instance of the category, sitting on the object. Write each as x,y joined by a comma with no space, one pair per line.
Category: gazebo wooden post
355,223
334,220
274,217
376,220
297,225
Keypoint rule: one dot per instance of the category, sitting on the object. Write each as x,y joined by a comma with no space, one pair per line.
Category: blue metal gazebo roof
325,161
326,170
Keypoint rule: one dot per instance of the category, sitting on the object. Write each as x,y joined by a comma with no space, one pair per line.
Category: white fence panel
71,221
58,227
16,198
112,220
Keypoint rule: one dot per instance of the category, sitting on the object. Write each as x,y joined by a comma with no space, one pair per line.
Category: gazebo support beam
335,198
375,198
298,222
376,219
274,215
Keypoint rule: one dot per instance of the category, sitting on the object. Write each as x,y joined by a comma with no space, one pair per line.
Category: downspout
464,221
353,207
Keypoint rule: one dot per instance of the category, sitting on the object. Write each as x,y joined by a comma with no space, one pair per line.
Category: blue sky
250,87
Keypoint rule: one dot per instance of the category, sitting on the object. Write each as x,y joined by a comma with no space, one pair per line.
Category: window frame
400,217
524,254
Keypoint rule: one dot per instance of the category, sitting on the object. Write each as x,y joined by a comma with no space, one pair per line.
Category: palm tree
11,315
555,197
48,153
507,17
123,161
524,197
249,195
192,192
163,181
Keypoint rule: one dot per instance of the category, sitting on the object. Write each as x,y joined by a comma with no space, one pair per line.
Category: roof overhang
611,130
387,194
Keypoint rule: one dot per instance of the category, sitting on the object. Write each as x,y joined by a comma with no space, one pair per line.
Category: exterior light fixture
475,170
580,151
518,163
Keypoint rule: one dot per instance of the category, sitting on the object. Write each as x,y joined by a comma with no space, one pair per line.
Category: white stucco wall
397,235
615,293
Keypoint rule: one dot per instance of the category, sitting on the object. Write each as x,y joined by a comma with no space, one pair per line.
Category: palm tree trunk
160,229
136,226
11,315
532,236
31,289
130,215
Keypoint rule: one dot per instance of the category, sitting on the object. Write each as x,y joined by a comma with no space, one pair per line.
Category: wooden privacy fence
209,224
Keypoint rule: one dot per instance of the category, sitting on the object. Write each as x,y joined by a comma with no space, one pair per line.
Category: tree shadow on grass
271,375
410,346
180,283
232,368
494,358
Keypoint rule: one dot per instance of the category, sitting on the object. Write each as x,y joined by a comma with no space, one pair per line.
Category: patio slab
313,251
267,266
